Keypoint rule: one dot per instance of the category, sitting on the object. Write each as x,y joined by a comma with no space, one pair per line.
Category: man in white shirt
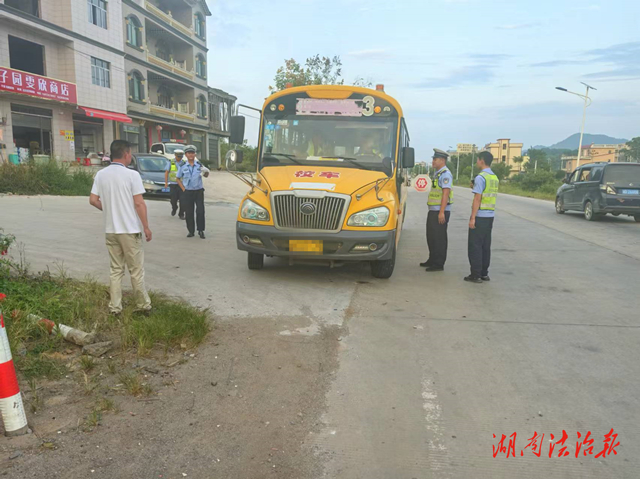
117,192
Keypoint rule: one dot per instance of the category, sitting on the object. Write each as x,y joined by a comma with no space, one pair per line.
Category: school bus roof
335,92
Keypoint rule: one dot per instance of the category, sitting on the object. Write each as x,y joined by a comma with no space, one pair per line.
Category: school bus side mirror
236,130
233,158
408,157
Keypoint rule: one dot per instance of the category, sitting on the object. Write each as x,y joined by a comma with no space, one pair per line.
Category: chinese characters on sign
535,444
310,174
15,81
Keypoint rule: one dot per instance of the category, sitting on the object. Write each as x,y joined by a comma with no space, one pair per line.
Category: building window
202,106
26,6
100,73
199,25
504,158
26,56
165,97
136,86
134,32
201,66
504,146
97,12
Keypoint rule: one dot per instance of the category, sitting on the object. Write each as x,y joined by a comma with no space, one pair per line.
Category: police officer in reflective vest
483,210
170,180
439,202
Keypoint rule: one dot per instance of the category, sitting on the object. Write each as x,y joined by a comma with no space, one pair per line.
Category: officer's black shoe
472,279
425,264
431,269
173,212
181,216
190,235
201,234
485,278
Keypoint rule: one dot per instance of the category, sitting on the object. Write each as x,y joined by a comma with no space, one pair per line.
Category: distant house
504,151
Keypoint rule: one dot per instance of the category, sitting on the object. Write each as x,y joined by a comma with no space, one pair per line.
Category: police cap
178,152
440,154
190,148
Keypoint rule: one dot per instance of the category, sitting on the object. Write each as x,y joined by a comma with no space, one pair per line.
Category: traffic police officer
189,178
170,180
439,202
483,211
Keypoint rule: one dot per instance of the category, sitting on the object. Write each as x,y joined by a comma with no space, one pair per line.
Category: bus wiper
284,155
347,158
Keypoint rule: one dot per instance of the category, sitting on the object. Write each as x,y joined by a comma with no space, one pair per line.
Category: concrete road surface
432,371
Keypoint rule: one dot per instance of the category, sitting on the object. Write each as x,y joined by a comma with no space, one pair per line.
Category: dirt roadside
246,405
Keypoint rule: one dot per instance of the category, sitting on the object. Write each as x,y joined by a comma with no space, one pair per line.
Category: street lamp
587,102
473,160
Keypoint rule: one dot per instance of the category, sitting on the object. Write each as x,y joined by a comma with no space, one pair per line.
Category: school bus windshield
347,142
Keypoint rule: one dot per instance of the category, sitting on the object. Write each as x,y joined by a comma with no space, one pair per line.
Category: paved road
429,367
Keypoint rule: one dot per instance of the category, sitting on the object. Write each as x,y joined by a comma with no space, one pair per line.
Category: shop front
32,129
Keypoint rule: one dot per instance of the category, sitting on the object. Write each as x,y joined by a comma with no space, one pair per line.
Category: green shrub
44,179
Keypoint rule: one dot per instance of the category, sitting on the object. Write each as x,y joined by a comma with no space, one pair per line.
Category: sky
464,71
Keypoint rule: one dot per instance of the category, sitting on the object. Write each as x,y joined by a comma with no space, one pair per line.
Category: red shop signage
16,81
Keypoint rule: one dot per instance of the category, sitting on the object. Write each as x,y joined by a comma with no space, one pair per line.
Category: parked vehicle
151,168
104,158
600,188
166,149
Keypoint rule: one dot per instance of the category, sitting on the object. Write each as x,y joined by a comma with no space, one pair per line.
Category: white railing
167,17
171,66
170,112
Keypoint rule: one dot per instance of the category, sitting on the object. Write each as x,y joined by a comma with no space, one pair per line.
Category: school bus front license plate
306,246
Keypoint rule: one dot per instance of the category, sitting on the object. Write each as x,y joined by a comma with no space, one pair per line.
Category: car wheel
637,218
384,269
615,214
589,215
255,260
559,206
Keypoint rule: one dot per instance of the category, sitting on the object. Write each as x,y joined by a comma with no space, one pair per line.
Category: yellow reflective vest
435,195
173,172
490,193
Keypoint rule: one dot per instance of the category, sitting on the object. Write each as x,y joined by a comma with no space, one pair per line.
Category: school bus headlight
369,218
253,211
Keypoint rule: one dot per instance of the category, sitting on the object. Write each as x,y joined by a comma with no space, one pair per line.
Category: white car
167,149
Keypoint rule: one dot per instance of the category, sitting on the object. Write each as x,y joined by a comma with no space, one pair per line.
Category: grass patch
539,194
92,421
84,305
44,179
134,385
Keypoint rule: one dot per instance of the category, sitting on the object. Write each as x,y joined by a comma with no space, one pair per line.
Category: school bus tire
384,269
255,260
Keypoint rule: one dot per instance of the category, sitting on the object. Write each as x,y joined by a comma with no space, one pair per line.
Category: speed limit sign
421,183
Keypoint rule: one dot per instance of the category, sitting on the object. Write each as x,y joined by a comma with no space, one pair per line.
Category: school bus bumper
347,245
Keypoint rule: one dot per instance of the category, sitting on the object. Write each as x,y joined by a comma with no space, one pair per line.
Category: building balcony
173,66
181,114
168,18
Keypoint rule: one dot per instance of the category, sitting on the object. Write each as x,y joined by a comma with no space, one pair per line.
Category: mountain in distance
573,141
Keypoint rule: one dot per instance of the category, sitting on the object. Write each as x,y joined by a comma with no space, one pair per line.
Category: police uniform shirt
445,181
478,187
191,176
179,165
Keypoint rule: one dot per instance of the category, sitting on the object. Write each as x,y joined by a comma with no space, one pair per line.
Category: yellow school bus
331,180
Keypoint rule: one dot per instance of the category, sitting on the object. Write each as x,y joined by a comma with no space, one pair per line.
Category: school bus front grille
294,212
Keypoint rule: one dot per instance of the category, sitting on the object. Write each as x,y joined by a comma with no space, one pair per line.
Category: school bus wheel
255,260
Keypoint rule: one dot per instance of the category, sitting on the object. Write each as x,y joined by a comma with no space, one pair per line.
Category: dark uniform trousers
194,199
176,193
480,247
437,239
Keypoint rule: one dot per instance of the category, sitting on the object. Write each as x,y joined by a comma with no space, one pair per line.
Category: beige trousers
126,250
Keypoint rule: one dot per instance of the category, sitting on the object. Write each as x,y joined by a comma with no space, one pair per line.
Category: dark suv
600,188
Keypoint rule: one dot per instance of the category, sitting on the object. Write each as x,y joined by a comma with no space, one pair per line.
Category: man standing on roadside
117,192
439,202
190,180
170,181
483,210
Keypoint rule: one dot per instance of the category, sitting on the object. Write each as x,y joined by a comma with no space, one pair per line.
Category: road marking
433,418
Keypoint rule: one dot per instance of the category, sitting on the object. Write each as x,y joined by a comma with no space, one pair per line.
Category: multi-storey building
592,153
504,151
166,71
62,83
